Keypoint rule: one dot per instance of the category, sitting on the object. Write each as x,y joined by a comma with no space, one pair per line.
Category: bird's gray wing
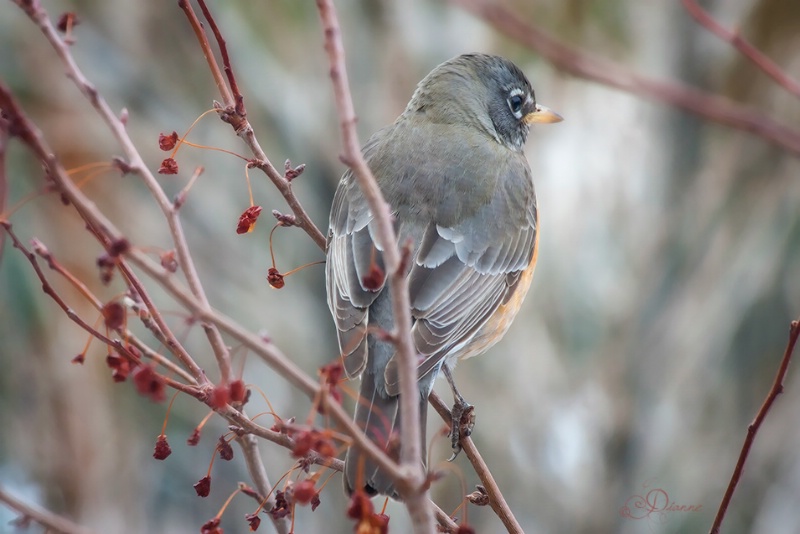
350,254
463,271
473,237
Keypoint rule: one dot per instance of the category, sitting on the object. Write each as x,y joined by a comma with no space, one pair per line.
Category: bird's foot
462,422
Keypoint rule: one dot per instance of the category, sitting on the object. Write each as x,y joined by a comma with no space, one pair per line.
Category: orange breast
495,328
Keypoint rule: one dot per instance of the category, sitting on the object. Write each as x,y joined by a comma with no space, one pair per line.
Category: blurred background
667,276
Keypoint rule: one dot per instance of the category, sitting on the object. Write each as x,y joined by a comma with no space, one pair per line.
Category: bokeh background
668,270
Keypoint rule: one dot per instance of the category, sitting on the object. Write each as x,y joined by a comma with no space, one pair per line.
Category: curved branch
584,65
756,57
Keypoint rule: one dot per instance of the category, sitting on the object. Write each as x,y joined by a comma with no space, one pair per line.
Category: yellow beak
542,115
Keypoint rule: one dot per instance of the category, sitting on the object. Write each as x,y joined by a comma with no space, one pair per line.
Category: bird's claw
462,423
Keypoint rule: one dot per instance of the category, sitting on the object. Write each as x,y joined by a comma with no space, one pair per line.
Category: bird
460,189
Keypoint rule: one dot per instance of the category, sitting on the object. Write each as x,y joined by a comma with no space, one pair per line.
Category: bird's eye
515,102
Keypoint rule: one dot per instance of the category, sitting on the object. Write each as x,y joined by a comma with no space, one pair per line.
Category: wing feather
470,248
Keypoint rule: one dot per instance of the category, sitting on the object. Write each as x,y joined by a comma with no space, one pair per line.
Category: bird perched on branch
452,170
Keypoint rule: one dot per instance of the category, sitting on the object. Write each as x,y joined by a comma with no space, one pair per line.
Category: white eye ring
516,99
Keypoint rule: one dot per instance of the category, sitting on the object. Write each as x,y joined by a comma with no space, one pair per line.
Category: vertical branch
410,454
227,98
4,136
238,99
255,466
752,429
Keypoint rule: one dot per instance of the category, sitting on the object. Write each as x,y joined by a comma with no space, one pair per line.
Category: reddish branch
496,499
4,136
245,131
758,58
200,33
52,263
74,317
752,430
226,62
584,65
100,225
105,231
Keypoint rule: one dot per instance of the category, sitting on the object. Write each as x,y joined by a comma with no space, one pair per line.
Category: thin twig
158,359
496,499
410,449
72,315
756,57
584,65
752,429
147,352
138,166
446,523
97,223
238,99
244,130
265,350
4,136
222,87
255,466
284,187
50,521
245,425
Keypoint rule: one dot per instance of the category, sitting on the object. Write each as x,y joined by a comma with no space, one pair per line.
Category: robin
460,188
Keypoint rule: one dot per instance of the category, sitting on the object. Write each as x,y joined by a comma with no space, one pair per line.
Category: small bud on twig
290,173
123,166
284,219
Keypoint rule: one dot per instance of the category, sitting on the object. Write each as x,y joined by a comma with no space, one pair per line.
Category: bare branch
446,523
410,450
52,522
496,499
756,57
4,136
48,290
222,87
243,129
137,165
238,99
255,466
147,352
752,429
584,65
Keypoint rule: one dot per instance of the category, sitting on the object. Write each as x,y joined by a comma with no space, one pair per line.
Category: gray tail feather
377,414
